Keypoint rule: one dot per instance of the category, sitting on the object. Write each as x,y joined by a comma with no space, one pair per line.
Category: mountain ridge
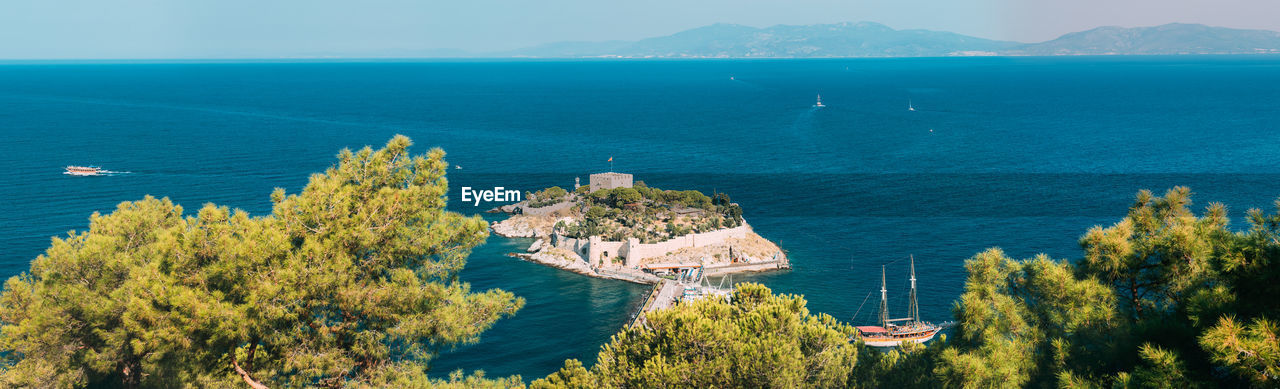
870,39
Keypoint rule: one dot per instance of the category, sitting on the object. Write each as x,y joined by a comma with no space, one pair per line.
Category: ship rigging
888,333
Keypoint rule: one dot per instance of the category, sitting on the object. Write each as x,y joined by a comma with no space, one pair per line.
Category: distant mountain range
1175,38
866,39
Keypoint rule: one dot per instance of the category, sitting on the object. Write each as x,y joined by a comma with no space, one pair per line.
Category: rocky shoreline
563,261
542,252
656,233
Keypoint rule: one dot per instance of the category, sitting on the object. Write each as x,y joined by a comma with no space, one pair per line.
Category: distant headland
615,227
868,39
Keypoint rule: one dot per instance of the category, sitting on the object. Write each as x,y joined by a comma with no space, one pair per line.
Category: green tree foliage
1165,298
1157,255
1193,304
721,199
1160,369
572,375
757,340
553,192
352,282
1241,306
595,213
641,212
1251,351
545,197
908,366
1022,321
621,197
456,380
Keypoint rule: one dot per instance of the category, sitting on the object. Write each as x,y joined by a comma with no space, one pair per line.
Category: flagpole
610,163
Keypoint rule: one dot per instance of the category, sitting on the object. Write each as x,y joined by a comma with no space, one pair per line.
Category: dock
761,266
662,296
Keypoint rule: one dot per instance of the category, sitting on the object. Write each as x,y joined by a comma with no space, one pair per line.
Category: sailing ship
83,170
912,330
819,103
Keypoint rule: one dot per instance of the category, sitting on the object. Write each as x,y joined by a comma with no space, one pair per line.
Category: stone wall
636,251
601,252
577,246
594,250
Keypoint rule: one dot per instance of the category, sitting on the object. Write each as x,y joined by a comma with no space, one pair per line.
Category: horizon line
9,61
497,54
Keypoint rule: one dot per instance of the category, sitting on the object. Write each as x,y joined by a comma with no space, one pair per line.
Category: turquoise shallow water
1024,153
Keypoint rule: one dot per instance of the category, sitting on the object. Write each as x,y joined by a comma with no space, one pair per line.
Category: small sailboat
909,106
819,103
912,329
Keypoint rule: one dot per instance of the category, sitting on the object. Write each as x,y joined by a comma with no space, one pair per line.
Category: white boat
83,170
909,106
889,334
819,103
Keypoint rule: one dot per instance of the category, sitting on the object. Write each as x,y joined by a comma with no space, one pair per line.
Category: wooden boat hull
880,341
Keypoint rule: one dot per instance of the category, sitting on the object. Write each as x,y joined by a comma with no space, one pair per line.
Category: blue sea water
1020,153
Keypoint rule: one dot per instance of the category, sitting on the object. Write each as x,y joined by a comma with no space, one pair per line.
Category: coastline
721,252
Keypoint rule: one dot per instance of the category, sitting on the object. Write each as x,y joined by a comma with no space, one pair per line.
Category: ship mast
884,301
914,309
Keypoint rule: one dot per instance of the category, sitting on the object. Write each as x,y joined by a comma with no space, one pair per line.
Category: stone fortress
725,250
608,180
631,253
601,253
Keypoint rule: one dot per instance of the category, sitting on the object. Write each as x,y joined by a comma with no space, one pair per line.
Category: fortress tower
610,180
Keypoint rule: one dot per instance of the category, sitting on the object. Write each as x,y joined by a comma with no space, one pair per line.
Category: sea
1025,154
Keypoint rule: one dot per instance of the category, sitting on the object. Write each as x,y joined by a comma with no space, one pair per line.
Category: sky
125,29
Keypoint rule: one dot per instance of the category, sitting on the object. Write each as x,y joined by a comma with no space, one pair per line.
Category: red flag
610,158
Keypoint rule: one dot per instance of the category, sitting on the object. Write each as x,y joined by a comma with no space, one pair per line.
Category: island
619,229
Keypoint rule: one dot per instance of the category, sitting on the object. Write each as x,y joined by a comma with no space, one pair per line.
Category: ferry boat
912,329
819,103
83,170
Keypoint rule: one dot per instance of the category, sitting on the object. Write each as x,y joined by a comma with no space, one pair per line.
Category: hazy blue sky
275,28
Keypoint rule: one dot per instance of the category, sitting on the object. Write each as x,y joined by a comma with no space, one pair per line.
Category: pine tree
755,340
353,280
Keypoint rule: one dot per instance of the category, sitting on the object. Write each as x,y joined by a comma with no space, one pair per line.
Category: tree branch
245,375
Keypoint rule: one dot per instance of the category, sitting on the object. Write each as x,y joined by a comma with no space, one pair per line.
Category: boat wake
98,173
